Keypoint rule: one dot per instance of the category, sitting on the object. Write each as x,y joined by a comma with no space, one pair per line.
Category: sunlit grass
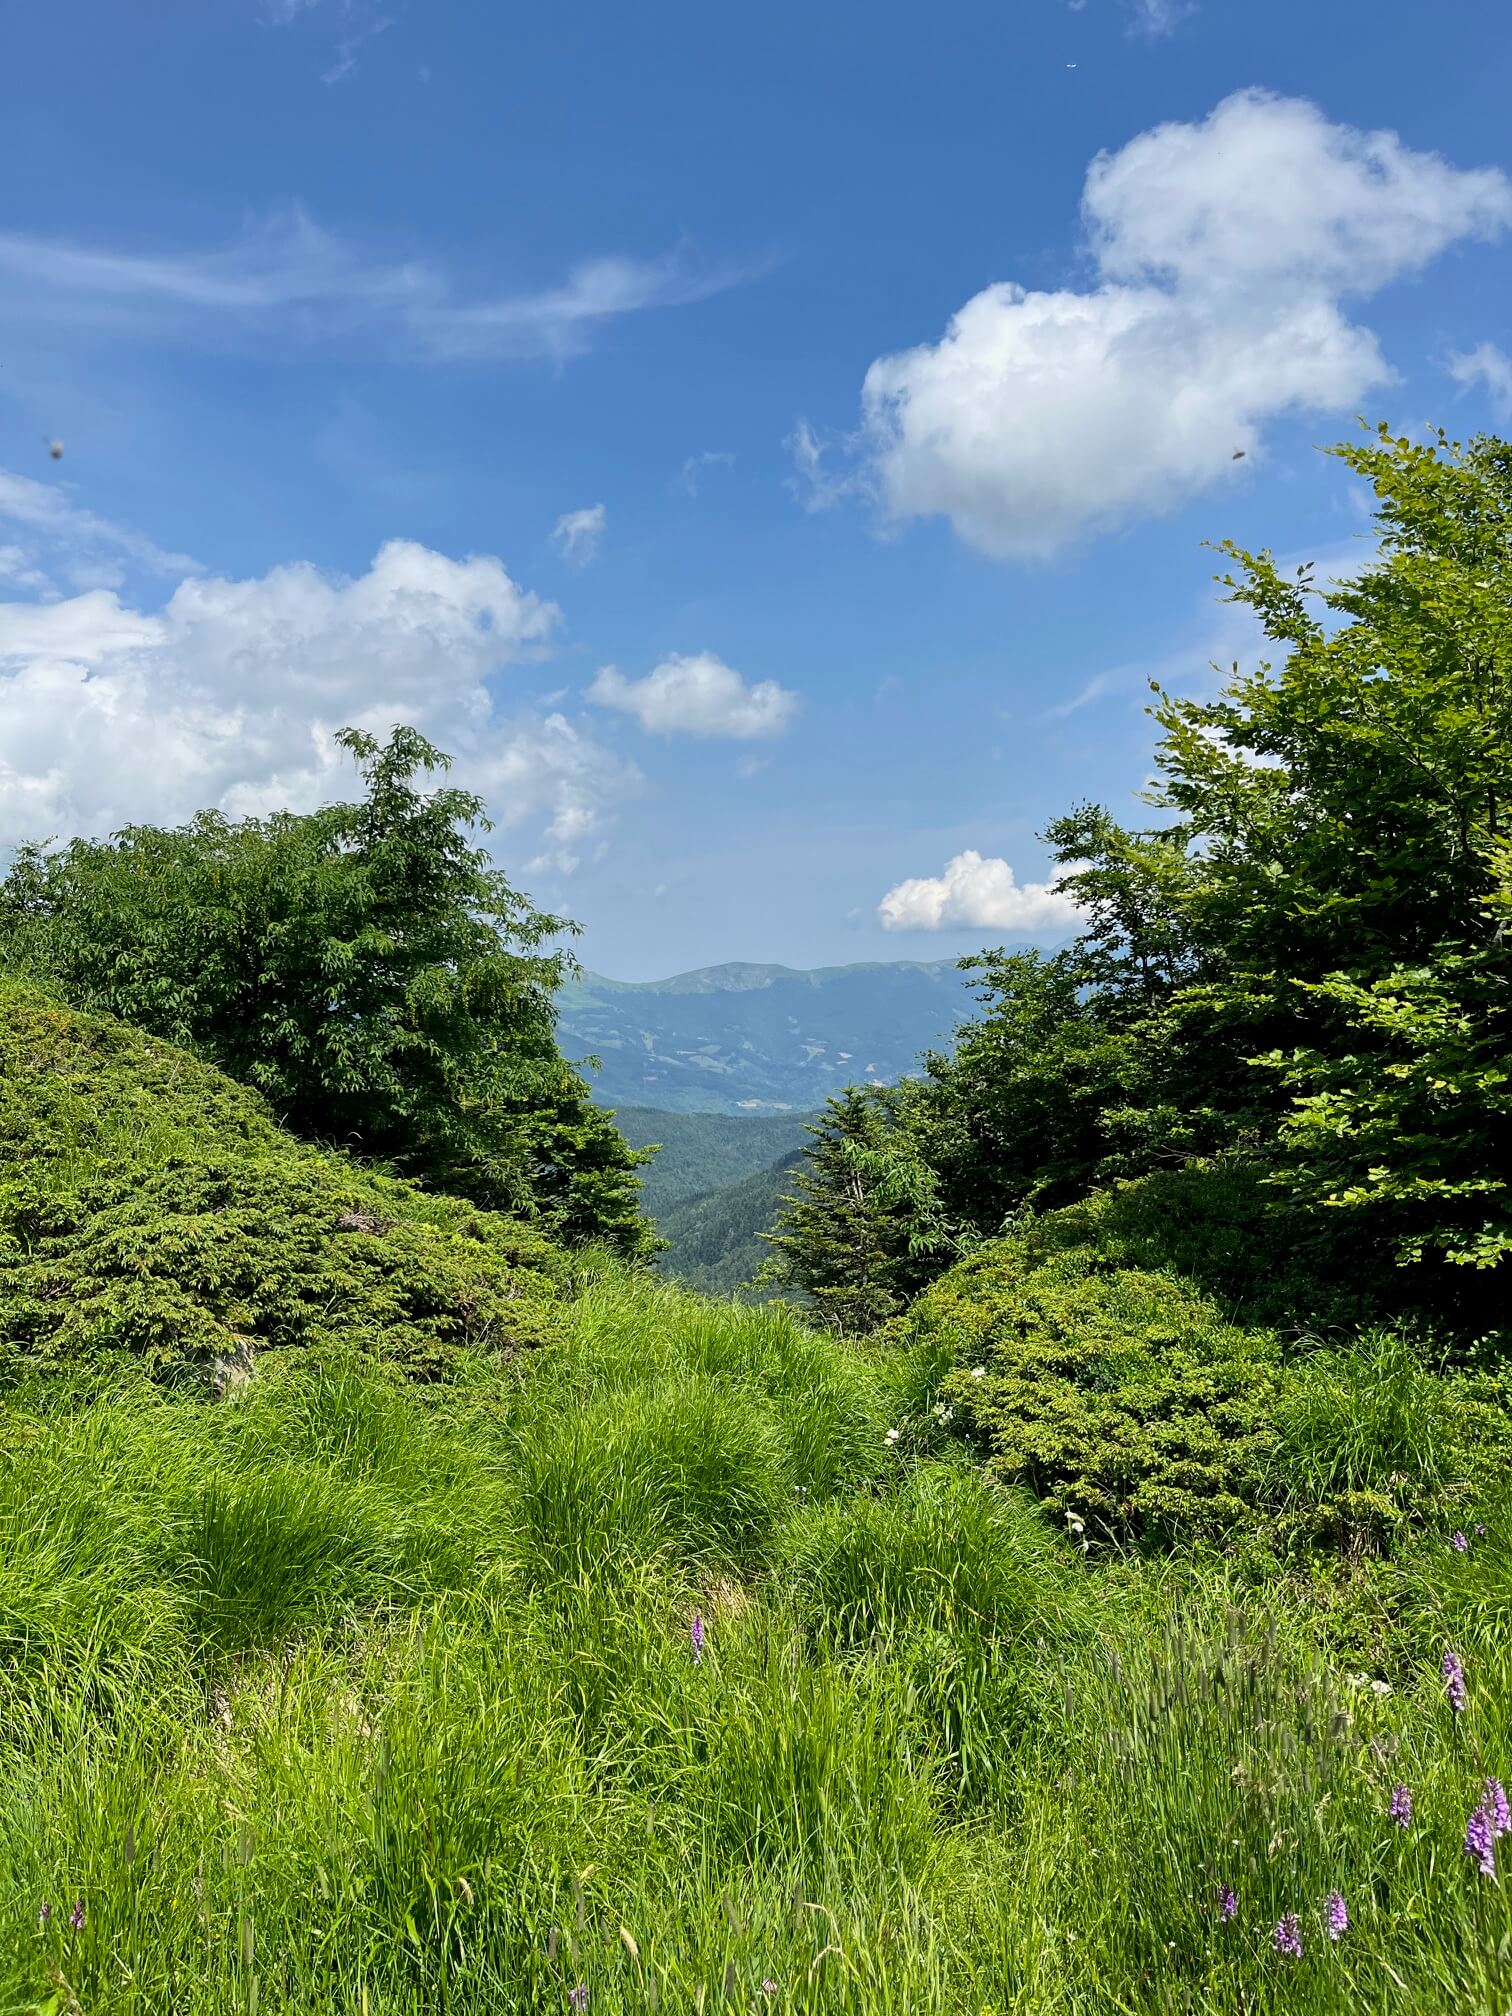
345,1695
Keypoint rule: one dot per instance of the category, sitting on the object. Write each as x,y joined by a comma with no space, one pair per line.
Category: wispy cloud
1490,367
1157,18
816,487
48,510
347,48
291,276
577,535
690,476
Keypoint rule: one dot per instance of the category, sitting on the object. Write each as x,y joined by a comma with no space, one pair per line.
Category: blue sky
770,451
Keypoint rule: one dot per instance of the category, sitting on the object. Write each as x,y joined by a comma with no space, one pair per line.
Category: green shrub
150,1207
1121,1396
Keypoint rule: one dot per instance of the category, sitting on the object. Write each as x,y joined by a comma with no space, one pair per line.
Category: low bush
1130,1401
1121,1396
150,1208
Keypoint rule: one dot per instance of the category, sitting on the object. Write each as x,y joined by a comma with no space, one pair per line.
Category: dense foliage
363,966
1092,1359
151,1207
1307,965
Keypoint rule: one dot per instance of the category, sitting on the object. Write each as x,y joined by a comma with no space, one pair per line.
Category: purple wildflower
769,1987
1458,1542
1228,1904
579,1996
1288,1936
1401,1806
44,1916
1495,1803
1454,1683
76,1916
1480,1840
1480,1531
1336,1915
696,1635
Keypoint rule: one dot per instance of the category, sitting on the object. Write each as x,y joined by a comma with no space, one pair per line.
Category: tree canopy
364,966
1306,961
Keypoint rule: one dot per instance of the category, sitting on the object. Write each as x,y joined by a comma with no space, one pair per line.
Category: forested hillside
717,1243
1095,1600
698,1153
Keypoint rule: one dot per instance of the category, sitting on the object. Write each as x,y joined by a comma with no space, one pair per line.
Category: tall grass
345,1695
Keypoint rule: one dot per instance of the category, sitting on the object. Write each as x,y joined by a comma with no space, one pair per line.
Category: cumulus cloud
577,534
700,695
983,893
1488,366
229,694
290,278
1225,253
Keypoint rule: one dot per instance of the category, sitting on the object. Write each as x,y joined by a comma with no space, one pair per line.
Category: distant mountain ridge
745,1038
740,976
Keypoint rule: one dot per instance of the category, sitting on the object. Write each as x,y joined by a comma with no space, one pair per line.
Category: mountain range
757,1040
724,1068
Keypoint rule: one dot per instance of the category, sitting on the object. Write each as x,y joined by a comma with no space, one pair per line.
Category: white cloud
700,695
816,487
18,567
690,476
577,534
229,694
1486,365
347,48
49,509
1156,18
982,893
291,278
1225,251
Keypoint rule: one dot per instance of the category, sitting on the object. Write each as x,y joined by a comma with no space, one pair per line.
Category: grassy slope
382,1673
350,1693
